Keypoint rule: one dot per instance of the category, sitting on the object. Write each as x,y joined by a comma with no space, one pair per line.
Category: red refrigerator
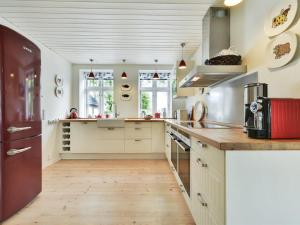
20,122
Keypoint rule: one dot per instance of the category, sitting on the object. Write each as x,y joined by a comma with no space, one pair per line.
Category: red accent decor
285,118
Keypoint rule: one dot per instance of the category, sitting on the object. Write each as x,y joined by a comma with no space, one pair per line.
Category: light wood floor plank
107,192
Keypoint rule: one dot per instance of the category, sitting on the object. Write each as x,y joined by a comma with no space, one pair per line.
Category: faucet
116,114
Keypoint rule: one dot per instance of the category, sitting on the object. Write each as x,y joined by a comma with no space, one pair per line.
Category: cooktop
202,125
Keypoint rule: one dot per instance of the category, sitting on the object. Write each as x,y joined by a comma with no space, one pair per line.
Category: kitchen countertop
236,139
126,120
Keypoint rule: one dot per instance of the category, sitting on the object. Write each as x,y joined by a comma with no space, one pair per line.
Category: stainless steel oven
173,148
180,156
183,151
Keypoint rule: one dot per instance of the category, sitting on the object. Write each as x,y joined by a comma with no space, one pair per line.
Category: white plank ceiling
111,30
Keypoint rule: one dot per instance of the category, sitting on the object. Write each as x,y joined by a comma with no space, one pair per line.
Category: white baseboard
113,156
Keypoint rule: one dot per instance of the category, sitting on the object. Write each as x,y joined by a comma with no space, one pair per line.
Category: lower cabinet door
138,146
98,146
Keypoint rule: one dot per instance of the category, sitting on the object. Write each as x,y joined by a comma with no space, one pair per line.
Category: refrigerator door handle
14,151
17,129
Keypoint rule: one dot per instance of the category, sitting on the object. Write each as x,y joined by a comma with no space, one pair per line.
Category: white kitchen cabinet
207,184
138,124
138,146
158,139
135,137
138,132
88,138
167,142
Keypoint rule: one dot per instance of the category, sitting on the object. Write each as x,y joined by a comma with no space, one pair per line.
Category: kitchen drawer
138,133
138,124
138,146
200,211
109,133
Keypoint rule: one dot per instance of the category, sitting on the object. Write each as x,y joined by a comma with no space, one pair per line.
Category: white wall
53,107
127,109
247,35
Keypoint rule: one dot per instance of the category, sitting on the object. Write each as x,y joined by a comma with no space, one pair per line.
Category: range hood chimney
216,37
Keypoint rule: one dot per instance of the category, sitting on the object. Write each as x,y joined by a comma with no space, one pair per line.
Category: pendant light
155,76
91,74
182,64
230,3
124,75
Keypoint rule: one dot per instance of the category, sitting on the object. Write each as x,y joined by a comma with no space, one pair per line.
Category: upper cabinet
179,75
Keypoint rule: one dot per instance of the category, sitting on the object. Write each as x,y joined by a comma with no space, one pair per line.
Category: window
99,95
155,95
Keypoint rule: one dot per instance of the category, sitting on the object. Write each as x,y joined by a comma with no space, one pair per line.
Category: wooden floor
107,192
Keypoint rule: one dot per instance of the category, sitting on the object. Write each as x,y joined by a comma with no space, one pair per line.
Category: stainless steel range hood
216,37
204,76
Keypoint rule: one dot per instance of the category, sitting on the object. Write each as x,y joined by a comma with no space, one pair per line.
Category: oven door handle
183,146
172,136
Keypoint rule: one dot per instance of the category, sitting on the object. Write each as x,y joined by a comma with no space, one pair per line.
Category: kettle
73,113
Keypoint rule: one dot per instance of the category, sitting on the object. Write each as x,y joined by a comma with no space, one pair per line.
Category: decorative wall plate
281,17
59,80
281,50
126,97
126,87
59,92
199,111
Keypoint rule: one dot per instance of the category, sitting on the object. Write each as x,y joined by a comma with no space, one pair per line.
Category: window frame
101,89
154,90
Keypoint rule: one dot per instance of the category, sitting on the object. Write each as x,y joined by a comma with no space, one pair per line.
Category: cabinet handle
200,161
110,128
14,151
201,200
136,140
201,144
17,129
137,128
167,145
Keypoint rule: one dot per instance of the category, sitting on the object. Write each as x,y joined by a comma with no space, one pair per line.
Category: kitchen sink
111,123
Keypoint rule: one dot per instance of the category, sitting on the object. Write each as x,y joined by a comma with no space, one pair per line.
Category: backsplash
225,102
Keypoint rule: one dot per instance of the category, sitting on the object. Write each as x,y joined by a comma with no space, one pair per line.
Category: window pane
108,83
93,103
162,83
146,83
93,83
108,102
146,102
162,102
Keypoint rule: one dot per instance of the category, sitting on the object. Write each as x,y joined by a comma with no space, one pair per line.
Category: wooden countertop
236,139
126,120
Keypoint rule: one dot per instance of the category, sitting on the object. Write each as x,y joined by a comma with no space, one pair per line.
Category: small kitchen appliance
275,118
251,92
